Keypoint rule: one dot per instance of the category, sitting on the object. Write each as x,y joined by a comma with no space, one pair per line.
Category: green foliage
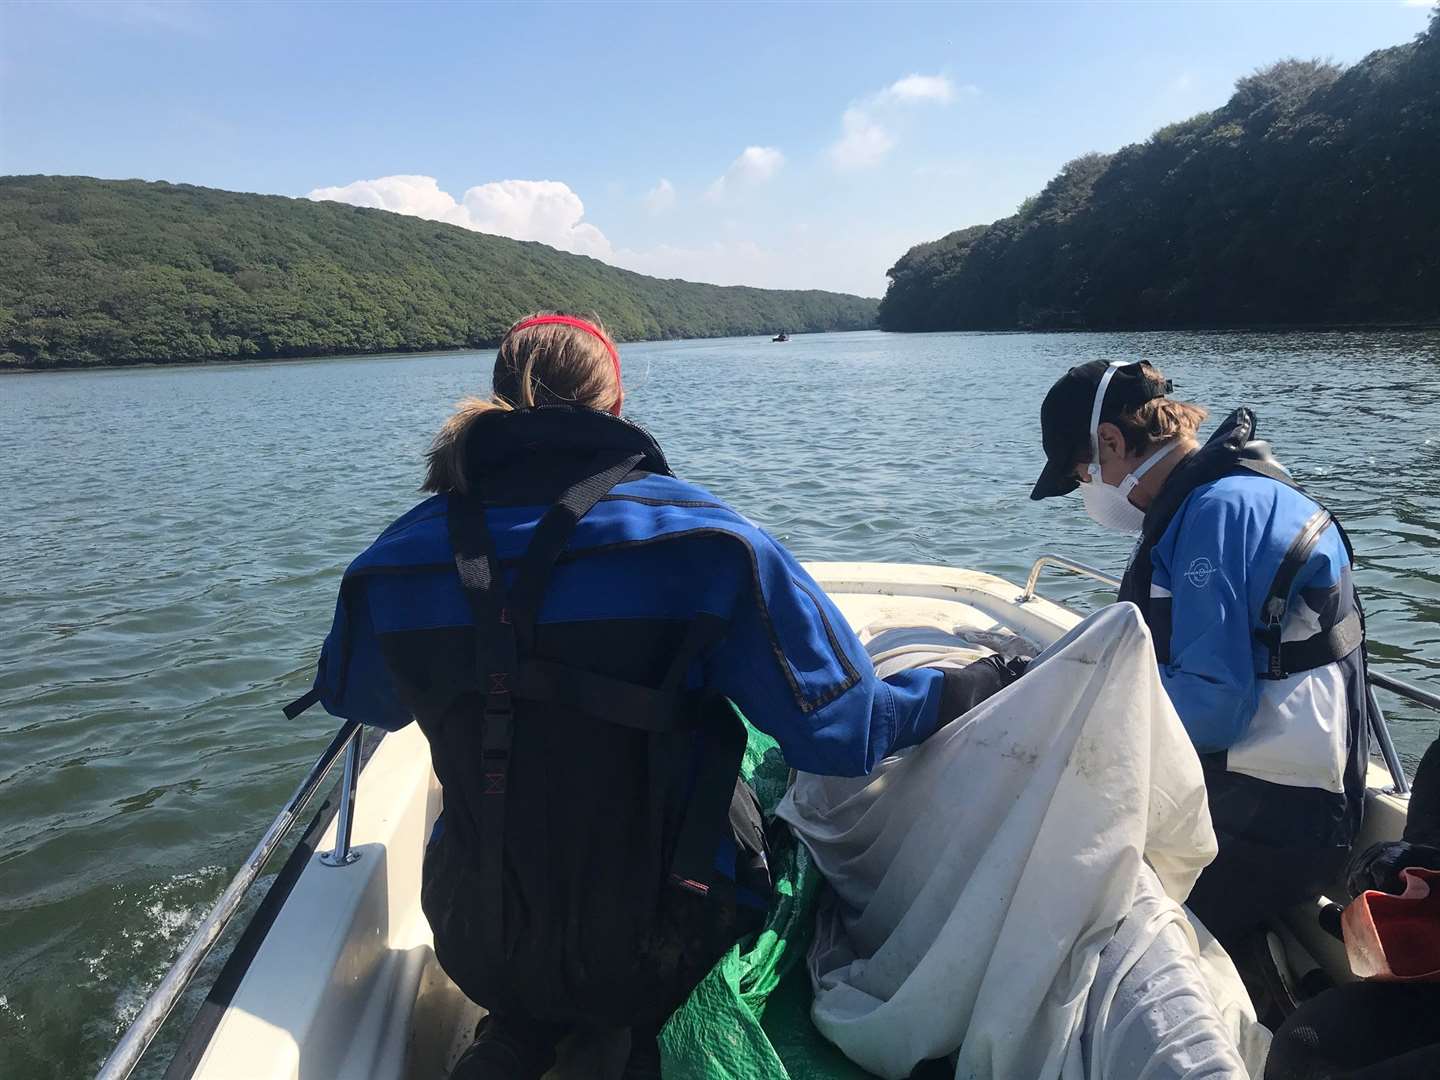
1311,196
116,272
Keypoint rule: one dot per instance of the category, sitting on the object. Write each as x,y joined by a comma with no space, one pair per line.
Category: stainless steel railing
1378,727
1065,564
348,740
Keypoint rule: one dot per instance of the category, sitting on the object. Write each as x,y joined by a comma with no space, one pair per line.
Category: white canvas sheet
978,877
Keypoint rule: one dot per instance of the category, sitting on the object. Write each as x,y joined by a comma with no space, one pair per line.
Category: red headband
578,324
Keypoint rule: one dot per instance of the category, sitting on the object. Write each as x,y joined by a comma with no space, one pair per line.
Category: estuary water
171,541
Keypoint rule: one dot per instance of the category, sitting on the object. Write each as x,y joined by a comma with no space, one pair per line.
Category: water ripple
174,539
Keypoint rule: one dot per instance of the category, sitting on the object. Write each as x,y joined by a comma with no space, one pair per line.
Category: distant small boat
782,336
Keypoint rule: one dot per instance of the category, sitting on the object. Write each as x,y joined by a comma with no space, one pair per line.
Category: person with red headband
573,628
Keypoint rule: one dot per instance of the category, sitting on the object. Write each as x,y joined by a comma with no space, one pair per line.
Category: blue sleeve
352,678
1201,569
797,671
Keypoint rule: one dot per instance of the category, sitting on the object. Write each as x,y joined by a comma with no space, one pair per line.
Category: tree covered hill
113,272
1311,196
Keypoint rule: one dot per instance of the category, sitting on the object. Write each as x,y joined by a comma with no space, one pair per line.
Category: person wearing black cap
1245,583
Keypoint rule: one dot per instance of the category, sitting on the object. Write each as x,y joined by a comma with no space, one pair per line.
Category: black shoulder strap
1272,469
500,630
549,540
504,640
543,679
692,866
1277,600
1341,639
495,660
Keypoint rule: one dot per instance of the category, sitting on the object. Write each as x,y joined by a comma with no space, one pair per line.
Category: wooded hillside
115,272
1311,196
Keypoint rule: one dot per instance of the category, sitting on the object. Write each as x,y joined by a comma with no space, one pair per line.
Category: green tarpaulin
750,1018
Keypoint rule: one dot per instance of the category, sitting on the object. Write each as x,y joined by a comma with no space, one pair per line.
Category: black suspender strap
1277,600
549,539
1347,635
495,660
505,621
1271,469
692,867
500,630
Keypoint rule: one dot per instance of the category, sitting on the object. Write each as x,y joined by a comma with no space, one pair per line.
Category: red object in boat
1393,938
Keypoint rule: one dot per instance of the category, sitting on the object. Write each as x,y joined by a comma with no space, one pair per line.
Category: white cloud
863,143
543,210
661,197
418,196
1419,3
755,165
864,139
550,212
911,88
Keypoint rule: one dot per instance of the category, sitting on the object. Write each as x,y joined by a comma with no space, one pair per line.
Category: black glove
1379,865
1007,671
972,684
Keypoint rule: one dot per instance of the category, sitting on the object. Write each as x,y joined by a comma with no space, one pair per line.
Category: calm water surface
171,542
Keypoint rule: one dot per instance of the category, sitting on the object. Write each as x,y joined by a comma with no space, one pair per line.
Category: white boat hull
345,983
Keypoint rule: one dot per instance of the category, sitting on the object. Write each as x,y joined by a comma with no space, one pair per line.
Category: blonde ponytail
445,460
549,364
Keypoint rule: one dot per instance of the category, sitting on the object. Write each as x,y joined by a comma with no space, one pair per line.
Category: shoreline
1195,328
397,354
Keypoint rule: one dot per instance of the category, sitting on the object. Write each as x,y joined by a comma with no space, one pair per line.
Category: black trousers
690,936
1249,884
1361,1031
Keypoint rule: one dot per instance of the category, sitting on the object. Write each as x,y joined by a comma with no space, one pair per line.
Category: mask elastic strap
1153,460
1095,413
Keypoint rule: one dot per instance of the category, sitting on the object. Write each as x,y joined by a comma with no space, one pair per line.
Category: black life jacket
585,789
1244,805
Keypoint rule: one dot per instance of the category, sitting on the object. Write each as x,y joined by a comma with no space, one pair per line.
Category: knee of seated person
1327,1033
1295,1052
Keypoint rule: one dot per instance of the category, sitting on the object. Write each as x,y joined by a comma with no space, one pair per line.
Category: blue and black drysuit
575,701
1245,583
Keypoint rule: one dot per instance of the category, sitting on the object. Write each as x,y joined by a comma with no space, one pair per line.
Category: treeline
1312,196
117,272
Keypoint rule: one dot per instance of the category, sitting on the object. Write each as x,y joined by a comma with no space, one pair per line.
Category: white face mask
1109,505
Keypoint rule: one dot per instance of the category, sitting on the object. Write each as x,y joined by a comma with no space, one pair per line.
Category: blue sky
799,145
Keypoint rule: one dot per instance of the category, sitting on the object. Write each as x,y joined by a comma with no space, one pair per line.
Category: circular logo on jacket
1200,572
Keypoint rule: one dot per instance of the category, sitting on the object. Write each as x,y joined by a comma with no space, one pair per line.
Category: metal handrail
1064,563
137,1038
1379,728
1406,690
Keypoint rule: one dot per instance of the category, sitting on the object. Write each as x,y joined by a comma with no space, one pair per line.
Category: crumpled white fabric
978,877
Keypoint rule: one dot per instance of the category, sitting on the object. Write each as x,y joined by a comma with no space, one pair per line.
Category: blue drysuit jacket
657,547
654,549
1285,756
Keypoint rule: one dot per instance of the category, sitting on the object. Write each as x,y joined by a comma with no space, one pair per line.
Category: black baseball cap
1065,416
